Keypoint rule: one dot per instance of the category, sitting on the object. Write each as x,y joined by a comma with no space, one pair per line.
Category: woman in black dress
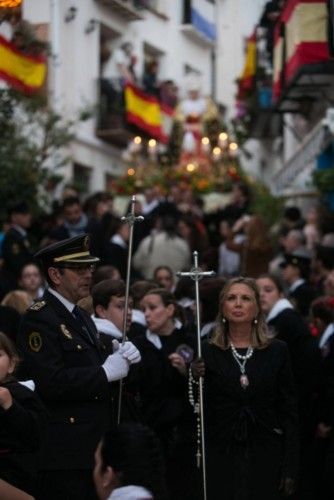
249,401
166,350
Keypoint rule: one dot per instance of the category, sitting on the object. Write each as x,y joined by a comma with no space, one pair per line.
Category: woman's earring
224,320
255,321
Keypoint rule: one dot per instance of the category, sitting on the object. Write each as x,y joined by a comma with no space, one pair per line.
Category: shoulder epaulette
37,305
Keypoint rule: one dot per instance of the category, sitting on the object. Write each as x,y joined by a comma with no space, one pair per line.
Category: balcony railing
111,125
131,10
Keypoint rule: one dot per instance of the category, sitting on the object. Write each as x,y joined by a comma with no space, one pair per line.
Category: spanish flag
23,72
247,77
300,39
143,110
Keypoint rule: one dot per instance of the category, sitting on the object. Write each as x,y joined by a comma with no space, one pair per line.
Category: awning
303,159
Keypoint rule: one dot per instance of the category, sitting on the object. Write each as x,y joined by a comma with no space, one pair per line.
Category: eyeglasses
79,269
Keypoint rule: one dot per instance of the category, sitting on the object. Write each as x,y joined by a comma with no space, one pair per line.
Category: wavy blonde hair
259,337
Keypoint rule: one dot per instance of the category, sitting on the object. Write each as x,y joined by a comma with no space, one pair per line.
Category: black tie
79,316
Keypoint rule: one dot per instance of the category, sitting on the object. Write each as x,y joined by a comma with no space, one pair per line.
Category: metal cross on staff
129,219
197,274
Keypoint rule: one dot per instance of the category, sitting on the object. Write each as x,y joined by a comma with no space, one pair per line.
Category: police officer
63,354
16,251
295,273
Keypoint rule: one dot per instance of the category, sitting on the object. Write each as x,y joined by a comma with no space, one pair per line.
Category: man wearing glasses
64,355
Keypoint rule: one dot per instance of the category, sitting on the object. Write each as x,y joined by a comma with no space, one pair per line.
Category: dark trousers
66,485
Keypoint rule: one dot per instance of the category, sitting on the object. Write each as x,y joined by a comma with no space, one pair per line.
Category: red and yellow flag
24,72
246,80
143,110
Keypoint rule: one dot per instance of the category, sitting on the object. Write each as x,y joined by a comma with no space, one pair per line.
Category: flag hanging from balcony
24,72
247,77
144,111
300,39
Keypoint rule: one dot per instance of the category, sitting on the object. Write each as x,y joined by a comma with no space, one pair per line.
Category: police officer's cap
299,258
66,253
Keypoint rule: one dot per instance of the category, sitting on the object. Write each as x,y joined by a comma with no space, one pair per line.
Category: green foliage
265,204
324,179
31,147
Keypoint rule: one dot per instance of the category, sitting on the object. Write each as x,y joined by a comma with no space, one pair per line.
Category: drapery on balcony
302,65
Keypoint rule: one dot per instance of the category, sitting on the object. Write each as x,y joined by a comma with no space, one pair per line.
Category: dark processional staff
197,274
129,219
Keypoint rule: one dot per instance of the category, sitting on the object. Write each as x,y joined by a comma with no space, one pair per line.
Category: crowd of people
97,401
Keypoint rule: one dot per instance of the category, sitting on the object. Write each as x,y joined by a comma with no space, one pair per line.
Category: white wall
75,71
236,22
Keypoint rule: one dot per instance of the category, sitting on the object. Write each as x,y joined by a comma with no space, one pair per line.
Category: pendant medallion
244,382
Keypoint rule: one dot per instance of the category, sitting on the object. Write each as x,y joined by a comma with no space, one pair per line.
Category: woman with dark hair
249,400
166,352
192,229
164,277
285,323
129,465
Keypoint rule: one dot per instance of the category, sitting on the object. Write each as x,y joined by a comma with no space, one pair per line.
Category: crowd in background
292,263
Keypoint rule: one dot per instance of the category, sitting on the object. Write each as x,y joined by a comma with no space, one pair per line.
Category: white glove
115,367
128,350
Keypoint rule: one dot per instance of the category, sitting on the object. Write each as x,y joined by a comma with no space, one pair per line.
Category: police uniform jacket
16,253
66,367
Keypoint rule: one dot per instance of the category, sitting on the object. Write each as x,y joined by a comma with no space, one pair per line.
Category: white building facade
201,36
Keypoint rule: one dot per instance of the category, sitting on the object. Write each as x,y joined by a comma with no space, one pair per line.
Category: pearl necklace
244,381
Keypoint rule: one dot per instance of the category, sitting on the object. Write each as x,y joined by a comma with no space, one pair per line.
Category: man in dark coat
296,271
74,221
72,370
16,249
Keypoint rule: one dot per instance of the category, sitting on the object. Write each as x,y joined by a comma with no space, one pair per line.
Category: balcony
129,10
199,28
310,83
303,70
112,126
129,112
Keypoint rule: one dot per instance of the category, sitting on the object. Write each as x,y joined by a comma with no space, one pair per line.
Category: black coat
9,322
163,390
115,255
302,297
20,437
16,253
166,409
66,367
252,433
290,327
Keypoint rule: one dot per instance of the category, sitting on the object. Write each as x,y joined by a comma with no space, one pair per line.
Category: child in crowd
21,420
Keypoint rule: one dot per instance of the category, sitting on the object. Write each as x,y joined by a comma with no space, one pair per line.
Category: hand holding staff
197,274
129,219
